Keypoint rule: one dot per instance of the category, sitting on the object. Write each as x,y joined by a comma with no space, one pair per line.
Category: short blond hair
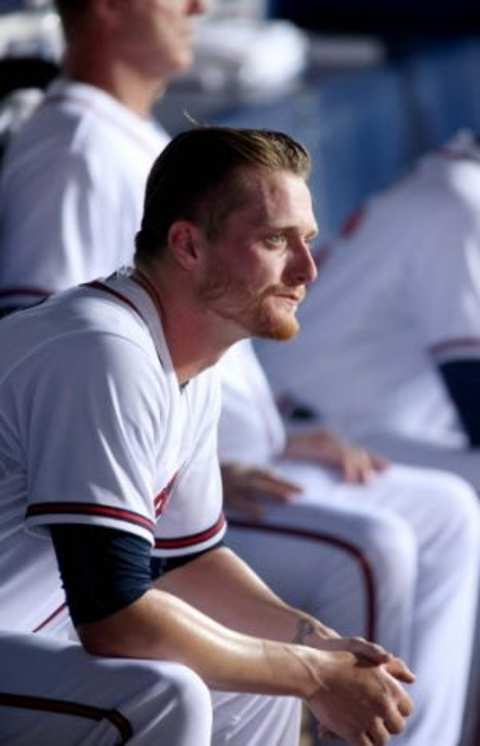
196,178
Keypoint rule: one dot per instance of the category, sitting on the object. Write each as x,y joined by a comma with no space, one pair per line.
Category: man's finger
363,740
270,485
378,733
246,505
394,722
369,651
379,462
405,706
397,668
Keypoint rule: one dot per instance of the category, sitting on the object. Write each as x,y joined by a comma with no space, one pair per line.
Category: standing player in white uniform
73,179
391,330
124,364
395,558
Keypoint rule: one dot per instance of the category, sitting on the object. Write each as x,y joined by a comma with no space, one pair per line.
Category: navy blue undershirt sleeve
462,379
104,570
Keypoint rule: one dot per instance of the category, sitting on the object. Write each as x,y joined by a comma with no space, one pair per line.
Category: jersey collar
140,298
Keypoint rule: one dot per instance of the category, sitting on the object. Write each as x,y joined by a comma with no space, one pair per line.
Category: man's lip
291,296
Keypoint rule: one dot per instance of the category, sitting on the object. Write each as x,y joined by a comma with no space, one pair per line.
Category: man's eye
276,239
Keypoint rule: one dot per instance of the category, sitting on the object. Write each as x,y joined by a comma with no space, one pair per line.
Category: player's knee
460,509
192,697
179,698
186,690
393,550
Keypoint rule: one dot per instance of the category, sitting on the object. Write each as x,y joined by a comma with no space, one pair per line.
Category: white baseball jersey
251,429
71,193
394,298
95,430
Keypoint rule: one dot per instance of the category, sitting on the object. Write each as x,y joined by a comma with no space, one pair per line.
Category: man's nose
303,269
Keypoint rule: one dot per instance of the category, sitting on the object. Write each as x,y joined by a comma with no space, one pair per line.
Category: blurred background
367,85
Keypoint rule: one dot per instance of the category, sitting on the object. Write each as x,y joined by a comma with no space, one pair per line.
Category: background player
73,180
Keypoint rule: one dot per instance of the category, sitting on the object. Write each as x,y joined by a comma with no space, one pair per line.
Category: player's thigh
340,562
53,692
438,506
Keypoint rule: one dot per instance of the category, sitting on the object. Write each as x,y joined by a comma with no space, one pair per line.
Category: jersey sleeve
443,279
192,518
94,435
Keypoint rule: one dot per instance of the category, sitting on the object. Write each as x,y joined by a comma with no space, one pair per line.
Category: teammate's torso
72,190
250,426
386,299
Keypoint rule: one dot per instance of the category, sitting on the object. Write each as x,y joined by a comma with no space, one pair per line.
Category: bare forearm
221,585
160,626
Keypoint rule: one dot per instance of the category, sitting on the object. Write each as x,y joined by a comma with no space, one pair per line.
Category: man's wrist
309,629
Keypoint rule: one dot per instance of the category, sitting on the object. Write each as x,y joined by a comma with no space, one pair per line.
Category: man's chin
279,329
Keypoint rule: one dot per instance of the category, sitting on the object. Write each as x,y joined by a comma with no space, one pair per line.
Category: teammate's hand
247,488
359,702
356,464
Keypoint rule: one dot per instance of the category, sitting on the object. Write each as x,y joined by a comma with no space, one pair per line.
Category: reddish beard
255,312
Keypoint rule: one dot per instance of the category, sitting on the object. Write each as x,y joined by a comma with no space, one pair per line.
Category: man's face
157,35
256,270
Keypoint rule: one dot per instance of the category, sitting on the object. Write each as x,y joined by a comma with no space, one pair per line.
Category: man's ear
184,242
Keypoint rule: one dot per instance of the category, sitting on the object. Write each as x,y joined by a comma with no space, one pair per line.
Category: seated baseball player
389,552
391,331
108,467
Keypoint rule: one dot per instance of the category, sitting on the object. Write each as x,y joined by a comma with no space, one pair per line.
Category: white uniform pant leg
350,567
255,720
436,529
161,702
444,513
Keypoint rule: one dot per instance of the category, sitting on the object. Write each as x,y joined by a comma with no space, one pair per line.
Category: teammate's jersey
94,429
395,297
71,192
250,429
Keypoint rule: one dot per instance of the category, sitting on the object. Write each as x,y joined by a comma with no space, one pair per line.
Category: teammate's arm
324,447
247,486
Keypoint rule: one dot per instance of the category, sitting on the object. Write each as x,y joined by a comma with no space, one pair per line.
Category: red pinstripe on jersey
91,509
181,542
161,500
97,285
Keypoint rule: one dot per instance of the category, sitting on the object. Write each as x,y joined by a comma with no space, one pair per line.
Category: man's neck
128,86
195,338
